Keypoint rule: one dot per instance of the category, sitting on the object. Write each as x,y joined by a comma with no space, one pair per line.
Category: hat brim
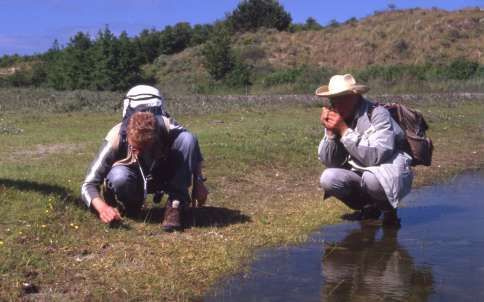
356,89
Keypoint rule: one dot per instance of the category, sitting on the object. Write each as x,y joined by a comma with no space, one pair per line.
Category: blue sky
30,26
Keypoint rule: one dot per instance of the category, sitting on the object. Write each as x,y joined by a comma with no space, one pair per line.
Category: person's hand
199,193
107,214
333,122
324,119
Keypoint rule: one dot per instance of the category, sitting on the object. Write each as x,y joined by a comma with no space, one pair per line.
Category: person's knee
186,152
342,184
126,186
118,178
186,141
329,179
372,186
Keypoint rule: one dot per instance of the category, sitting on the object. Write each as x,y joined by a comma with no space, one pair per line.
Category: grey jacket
372,145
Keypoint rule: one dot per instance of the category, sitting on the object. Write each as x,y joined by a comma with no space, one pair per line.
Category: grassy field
263,175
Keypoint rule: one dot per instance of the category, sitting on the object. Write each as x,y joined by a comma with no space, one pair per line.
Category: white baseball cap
142,95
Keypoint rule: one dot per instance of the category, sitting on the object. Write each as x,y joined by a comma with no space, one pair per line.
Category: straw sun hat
341,85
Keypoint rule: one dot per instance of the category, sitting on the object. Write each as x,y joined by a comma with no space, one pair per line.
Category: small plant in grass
6,128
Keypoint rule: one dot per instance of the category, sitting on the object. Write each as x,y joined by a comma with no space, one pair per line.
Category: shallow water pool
437,255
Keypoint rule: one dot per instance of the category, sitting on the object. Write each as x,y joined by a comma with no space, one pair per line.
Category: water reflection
437,255
369,267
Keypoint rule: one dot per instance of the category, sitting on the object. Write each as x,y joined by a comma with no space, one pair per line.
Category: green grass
263,175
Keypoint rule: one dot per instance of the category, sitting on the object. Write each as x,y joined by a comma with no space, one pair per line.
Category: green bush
175,38
313,77
303,79
480,72
11,60
219,59
282,77
392,73
251,15
459,69
19,78
239,76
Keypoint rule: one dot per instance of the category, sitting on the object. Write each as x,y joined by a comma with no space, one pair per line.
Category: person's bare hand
333,121
199,193
107,214
324,120
324,116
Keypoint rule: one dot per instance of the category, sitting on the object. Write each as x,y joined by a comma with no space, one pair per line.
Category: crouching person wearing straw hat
147,152
365,165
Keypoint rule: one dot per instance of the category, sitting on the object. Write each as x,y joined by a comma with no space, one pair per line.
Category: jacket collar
359,112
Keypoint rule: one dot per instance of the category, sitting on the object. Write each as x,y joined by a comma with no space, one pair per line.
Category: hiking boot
367,213
390,218
172,216
157,196
355,216
370,212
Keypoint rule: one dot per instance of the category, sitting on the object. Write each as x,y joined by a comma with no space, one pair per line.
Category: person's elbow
324,158
381,156
330,162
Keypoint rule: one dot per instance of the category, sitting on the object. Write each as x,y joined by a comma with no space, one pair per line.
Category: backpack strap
123,134
371,107
164,134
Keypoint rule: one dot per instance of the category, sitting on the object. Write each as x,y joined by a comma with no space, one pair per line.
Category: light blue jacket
372,145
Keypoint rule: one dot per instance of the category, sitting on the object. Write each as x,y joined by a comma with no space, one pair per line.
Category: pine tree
175,38
200,34
54,58
149,45
105,57
77,62
129,62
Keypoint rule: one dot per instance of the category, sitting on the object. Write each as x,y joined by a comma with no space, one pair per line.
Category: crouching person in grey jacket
146,153
365,166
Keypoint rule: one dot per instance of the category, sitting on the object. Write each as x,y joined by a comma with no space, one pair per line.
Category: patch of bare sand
42,151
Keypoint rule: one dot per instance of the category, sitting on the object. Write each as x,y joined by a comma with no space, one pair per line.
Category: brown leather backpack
412,122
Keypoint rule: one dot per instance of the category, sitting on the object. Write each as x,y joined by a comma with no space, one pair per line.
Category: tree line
115,62
110,62
106,62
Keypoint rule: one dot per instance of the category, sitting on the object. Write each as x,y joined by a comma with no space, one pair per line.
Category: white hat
341,85
142,95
